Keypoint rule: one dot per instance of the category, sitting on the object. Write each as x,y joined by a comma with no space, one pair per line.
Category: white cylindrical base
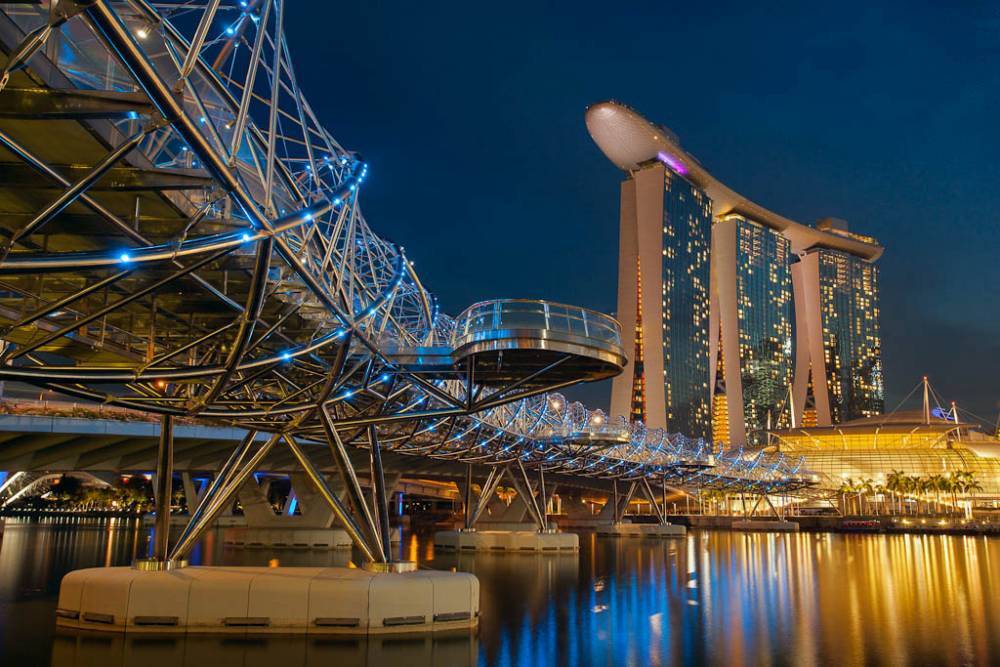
641,530
289,600
506,541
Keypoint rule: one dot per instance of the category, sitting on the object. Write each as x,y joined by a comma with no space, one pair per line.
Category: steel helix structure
182,236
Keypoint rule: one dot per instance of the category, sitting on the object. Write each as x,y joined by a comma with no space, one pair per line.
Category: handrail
536,314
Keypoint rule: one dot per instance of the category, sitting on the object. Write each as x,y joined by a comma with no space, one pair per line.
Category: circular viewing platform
591,436
537,342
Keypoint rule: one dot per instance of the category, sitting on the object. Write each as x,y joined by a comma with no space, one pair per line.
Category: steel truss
183,237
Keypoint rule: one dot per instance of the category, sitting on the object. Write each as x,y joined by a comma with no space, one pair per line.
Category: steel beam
71,104
378,488
226,496
164,488
371,553
117,179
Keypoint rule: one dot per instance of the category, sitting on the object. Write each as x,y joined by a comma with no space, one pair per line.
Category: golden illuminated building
638,377
909,442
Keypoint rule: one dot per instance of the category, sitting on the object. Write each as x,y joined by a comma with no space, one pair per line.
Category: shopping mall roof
901,429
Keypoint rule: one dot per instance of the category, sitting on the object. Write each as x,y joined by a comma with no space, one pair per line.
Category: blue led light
125,257
245,237
286,355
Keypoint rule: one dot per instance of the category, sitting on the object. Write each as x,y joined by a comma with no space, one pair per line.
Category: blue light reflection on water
713,598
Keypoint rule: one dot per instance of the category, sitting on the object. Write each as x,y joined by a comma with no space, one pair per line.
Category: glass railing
508,314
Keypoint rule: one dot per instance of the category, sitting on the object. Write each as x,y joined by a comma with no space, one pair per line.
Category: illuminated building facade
664,288
906,441
752,329
841,341
792,335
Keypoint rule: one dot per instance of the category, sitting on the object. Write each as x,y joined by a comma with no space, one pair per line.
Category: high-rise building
839,331
787,331
752,289
664,289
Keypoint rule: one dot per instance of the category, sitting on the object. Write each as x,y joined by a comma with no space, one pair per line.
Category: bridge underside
39,444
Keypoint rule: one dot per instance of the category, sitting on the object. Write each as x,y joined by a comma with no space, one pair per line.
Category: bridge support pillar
467,509
164,489
192,494
506,536
619,503
617,527
535,498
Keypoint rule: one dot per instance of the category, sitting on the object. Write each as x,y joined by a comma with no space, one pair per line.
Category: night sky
481,166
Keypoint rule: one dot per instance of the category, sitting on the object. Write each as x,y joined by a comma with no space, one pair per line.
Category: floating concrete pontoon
292,538
258,600
502,540
641,530
765,525
79,648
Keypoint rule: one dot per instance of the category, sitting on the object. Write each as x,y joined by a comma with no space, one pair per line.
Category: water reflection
714,598
75,649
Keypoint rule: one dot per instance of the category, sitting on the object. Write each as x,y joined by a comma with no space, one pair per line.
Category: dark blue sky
886,116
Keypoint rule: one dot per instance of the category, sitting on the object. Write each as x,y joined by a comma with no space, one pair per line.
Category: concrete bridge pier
165,595
615,524
306,521
775,522
538,536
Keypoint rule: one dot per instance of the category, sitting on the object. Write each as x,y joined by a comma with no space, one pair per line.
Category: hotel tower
736,319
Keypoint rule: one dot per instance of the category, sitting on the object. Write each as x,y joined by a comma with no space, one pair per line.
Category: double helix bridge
181,236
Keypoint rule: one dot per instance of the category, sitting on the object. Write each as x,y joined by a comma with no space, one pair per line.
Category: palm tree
941,485
865,487
922,485
846,487
956,484
895,484
913,486
910,487
881,490
933,487
970,484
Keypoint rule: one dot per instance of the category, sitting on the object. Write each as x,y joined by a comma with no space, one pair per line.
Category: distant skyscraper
840,362
664,290
787,331
752,353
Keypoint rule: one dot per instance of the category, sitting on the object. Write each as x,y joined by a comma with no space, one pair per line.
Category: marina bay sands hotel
737,319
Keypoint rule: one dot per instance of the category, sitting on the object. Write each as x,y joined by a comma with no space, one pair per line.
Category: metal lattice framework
184,237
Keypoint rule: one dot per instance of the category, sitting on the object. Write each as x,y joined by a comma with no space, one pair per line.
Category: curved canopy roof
629,140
